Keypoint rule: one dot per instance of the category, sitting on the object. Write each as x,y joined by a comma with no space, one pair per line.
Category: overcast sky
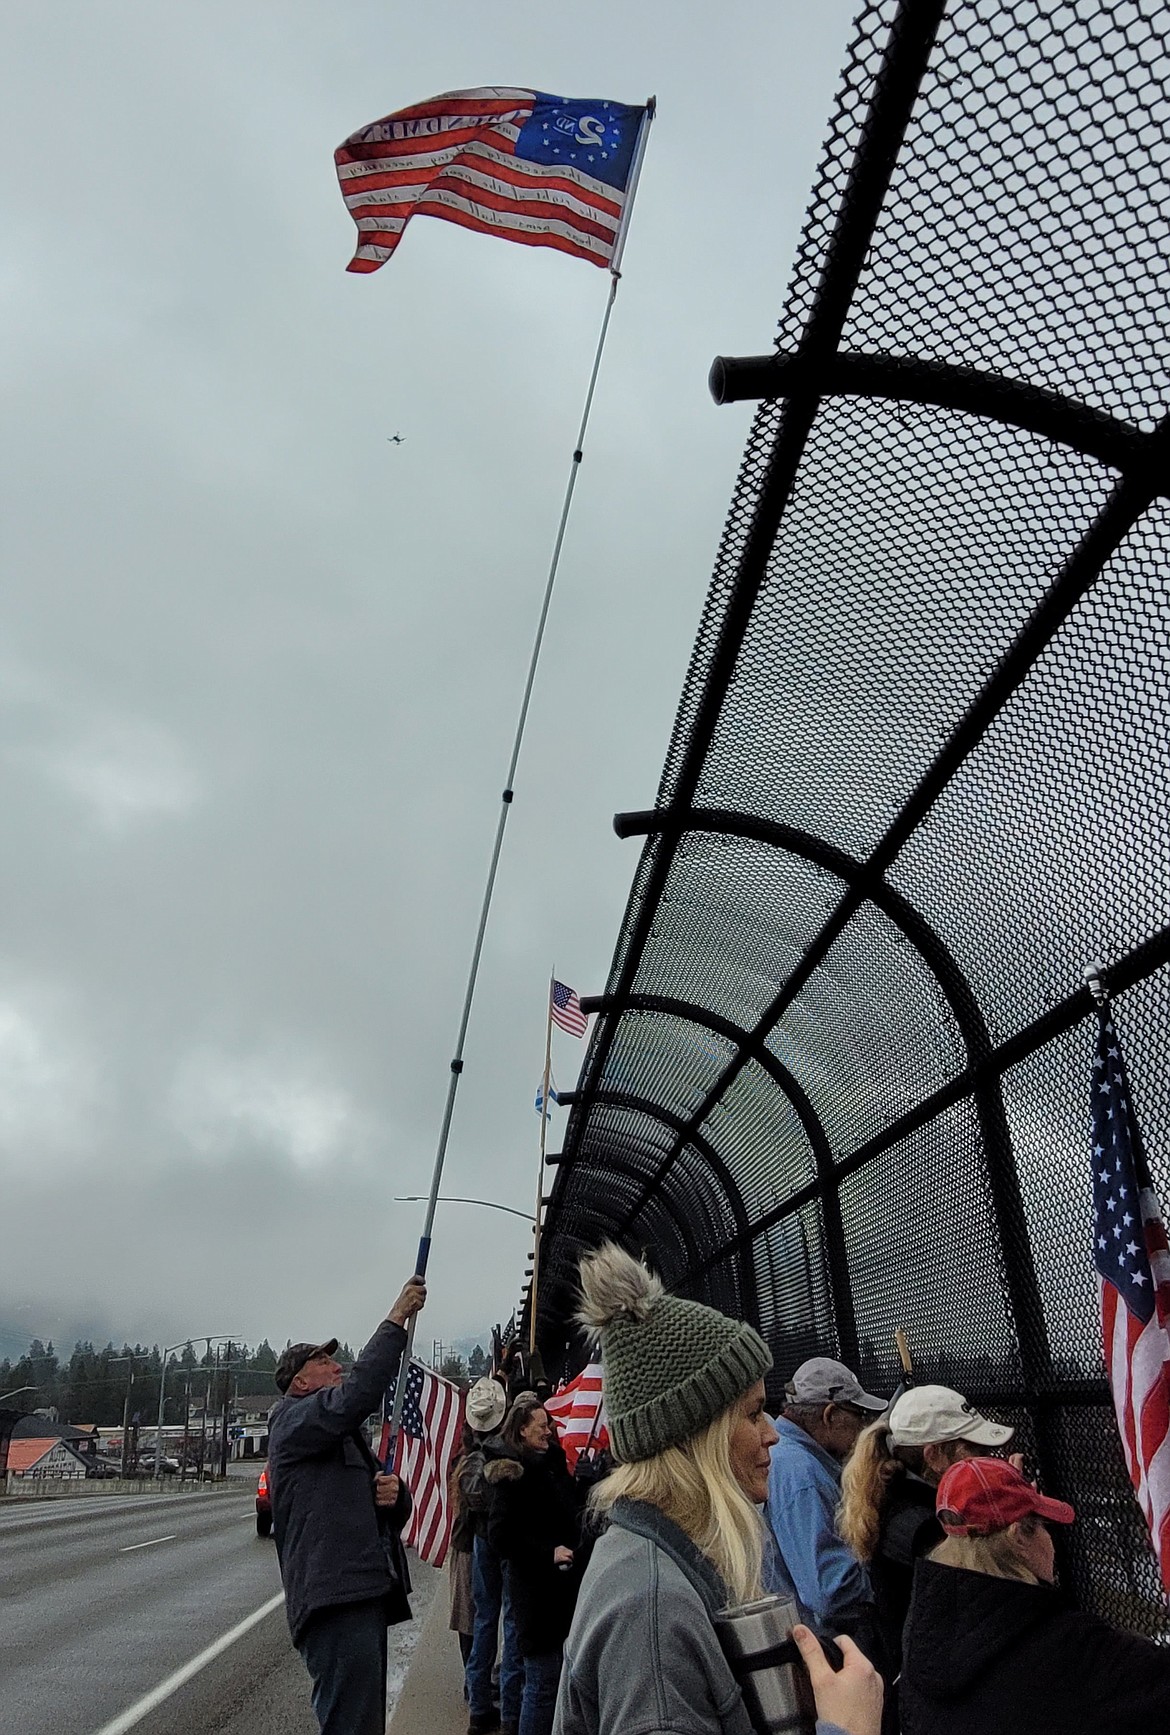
260,668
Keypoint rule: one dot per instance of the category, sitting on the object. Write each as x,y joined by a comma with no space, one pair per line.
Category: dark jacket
471,1483
994,1656
909,1530
534,1509
333,1543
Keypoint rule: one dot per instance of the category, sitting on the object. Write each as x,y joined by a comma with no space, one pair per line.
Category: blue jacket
333,1543
810,1561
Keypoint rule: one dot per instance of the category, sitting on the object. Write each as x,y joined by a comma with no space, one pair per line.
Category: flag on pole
1133,1267
566,1010
552,1095
432,1422
579,1410
547,171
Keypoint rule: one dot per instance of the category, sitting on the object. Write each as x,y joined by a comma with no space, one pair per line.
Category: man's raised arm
335,1409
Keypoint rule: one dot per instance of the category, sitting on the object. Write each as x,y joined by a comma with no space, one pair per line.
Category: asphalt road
102,1600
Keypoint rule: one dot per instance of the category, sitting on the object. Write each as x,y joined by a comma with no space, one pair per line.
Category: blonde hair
865,1484
693,1485
996,1555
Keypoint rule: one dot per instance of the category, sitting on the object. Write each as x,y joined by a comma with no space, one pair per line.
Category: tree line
101,1385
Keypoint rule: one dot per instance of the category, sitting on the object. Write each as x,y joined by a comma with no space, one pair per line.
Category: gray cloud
260,668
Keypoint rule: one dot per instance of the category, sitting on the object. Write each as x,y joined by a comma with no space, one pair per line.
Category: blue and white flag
552,1096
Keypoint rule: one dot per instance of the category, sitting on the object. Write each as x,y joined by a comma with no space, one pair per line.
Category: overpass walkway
431,1700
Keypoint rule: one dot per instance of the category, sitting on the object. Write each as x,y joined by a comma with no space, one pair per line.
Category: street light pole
453,1199
16,1391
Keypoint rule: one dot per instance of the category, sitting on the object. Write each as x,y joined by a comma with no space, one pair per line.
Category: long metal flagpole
424,1245
540,1170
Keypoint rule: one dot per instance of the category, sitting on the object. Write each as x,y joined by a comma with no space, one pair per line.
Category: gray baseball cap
824,1381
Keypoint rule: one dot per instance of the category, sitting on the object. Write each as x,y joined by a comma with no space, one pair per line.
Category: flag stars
1131,1248
1140,1279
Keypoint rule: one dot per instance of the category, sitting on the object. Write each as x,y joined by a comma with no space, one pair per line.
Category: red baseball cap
978,1496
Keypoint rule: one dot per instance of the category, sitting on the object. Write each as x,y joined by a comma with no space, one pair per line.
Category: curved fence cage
840,1077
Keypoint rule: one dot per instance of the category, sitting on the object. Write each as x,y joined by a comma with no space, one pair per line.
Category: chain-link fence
839,1081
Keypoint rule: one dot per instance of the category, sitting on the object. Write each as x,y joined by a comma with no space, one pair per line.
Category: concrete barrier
72,1488
430,1701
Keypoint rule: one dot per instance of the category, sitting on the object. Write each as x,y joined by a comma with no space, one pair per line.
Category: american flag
1133,1264
566,1010
534,168
432,1422
579,1411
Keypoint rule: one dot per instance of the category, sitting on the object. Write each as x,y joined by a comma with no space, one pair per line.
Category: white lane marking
25,1513
144,1706
129,1549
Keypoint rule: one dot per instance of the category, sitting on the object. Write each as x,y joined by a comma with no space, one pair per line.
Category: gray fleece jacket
642,1656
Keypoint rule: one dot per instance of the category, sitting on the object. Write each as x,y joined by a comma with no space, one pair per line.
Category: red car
263,1505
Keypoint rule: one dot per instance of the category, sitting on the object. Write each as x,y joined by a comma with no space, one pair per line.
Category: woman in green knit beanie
684,1395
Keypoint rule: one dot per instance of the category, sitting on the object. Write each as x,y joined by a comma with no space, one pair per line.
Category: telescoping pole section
424,1246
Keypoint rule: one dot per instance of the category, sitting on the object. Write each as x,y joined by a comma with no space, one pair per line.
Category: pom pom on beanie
669,1366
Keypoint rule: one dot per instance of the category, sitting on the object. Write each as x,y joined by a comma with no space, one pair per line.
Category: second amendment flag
548,171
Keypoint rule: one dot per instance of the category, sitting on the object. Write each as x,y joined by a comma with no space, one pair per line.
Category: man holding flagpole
338,1518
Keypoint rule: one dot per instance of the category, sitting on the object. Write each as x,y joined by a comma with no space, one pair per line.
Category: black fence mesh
839,1078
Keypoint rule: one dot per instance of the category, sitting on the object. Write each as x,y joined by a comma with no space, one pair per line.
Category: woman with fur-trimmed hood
534,1525
684,1393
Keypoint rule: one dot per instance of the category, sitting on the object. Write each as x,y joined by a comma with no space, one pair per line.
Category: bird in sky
394,439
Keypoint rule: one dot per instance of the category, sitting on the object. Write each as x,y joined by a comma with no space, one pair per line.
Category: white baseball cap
932,1415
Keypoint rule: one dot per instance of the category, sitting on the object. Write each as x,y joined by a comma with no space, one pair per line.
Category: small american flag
543,170
566,1010
1133,1265
432,1422
580,1413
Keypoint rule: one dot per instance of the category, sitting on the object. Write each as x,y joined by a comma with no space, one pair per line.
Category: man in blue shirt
825,1411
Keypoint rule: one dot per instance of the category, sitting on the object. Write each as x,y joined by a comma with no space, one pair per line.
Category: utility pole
126,1416
227,1384
162,1389
186,1428
126,1419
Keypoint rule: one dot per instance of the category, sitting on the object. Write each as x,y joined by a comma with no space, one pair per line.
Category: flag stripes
1133,1269
579,1412
428,1437
514,163
566,1009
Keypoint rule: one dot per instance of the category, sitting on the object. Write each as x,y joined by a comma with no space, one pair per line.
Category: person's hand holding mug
851,1696
413,1297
